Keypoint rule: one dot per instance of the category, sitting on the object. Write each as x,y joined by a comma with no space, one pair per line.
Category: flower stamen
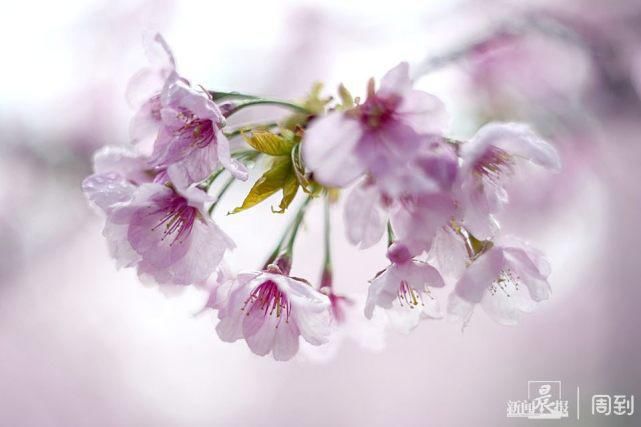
268,299
506,282
178,221
409,296
494,163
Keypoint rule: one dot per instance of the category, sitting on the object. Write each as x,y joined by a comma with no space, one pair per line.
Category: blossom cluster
435,198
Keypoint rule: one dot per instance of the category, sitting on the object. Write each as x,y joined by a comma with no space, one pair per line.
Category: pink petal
328,150
236,168
396,81
364,218
286,343
107,190
424,112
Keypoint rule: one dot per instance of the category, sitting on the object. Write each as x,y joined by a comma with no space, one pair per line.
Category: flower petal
236,168
364,218
286,343
107,190
328,150
424,112
396,81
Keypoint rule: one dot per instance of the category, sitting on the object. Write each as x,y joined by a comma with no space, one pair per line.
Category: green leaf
299,168
289,192
280,176
269,143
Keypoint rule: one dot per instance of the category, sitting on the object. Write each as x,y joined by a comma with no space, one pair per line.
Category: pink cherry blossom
271,310
171,233
403,290
376,136
190,143
496,152
184,123
507,280
161,231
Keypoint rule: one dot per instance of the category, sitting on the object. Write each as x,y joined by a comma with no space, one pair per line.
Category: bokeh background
82,344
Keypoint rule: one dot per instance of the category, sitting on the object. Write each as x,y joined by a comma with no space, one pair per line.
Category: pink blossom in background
489,159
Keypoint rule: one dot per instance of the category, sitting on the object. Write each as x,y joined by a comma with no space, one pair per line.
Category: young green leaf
280,176
269,143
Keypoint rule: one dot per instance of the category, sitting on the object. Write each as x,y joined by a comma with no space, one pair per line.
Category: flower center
494,163
268,299
178,220
376,111
410,297
199,131
506,282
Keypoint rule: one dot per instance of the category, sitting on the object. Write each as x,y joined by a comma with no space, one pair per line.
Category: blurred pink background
84,344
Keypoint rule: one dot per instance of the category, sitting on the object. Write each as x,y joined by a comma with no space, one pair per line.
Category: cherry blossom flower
171,233
271,310
162,231
184,122
190,142
507,280
403,290
374,137
493,155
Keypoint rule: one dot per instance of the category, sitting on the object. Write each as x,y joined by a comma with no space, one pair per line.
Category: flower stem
283,238
242,129
217,96
222,191
207,184
327,263
254,100
296,226
326,275
263,101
